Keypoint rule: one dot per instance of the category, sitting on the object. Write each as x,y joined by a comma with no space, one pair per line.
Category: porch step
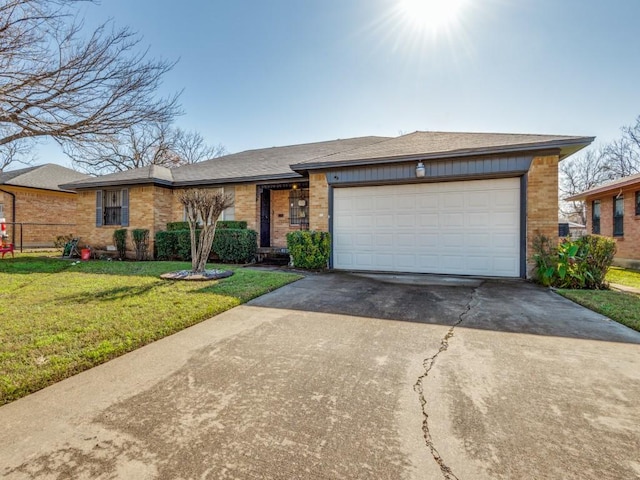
273,256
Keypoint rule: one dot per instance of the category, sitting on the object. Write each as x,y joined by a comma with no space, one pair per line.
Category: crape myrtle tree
617,159
203,208
58,80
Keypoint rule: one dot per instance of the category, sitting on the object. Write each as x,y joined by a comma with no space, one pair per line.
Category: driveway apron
342,376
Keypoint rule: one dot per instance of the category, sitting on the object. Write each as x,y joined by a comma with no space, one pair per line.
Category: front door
265,218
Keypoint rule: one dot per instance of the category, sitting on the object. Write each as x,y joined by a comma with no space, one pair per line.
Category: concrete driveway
340,376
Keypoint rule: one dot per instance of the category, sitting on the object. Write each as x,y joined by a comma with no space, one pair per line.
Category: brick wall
53,212
246,206
542,201
628,246
150,207
318,202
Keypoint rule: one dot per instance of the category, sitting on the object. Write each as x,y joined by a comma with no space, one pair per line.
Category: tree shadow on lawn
110,294
46,265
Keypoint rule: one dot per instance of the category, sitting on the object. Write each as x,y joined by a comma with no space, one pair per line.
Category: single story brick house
32,198
613,209
428,202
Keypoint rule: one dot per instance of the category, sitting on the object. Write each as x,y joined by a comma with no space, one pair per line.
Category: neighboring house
613,209
32,199
567,228
428,202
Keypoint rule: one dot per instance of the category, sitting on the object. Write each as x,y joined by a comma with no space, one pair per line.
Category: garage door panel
470,227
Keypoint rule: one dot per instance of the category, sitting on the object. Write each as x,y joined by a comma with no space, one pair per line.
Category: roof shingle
47,177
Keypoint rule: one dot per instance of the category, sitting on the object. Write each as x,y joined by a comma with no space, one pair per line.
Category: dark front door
265,218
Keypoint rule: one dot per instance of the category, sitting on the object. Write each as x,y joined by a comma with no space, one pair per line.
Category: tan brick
542,201
247,206
44,214
318,202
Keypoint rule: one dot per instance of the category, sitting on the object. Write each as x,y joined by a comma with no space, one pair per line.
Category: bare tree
190,147
578,174
623,154
617,159
135,147
205,206
56,82
15,152
141,145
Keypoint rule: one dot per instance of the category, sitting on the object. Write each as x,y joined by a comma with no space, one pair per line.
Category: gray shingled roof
265,163
156,174
613,185
251,165
47,177
427,145
277,163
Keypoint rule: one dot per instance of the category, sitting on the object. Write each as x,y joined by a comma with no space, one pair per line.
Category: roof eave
115,183
226,181
621,185
564,148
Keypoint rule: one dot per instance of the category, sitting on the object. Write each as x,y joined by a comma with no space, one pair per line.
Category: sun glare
431,15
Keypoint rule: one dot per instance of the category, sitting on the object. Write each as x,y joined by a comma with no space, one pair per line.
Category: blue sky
266,73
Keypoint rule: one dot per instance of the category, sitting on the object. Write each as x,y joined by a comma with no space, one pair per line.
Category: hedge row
234,224
230,245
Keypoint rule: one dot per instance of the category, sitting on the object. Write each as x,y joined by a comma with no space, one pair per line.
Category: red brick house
613,209
428,202
32,199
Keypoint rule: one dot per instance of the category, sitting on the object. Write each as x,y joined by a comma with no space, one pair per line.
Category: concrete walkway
340,376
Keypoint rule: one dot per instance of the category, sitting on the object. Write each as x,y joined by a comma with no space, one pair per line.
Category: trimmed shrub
231,224
578,264
309,249
173,226
230,245
141,242
166,245
120,239
235,245
174,245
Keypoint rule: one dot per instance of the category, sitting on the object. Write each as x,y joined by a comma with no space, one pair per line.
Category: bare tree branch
54,83
141,145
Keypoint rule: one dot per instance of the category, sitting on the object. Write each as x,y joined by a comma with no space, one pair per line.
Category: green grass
58,318
622,307
623,276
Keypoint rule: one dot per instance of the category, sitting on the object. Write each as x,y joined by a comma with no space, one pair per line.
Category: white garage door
460,228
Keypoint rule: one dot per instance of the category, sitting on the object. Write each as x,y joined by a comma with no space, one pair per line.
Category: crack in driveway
418,387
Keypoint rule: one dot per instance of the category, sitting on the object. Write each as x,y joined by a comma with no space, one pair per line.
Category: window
299,207
618,216
637,204
595,217
112,207
1,210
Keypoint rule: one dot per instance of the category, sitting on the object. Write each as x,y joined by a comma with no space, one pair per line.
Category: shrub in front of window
578,264
173,226
235,245
232,224
309,249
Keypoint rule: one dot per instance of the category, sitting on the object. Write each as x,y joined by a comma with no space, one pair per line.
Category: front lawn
58,317
622,307
624,276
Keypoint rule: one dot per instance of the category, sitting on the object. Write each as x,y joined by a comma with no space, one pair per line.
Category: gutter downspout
13,215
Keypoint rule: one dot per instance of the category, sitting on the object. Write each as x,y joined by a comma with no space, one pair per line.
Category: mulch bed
188,275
